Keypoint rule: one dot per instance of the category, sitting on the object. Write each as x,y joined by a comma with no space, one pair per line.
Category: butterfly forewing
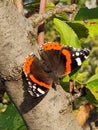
77,56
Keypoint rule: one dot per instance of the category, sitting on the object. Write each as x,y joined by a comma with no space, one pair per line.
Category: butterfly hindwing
38,80
36,90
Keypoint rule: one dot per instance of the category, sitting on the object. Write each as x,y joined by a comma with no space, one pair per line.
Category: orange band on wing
27,64
38,82
51,45
68,60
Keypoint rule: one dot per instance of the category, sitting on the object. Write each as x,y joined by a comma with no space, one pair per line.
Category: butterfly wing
38,80
77,56
54,60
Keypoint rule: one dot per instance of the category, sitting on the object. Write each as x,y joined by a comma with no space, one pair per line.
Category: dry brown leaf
84,113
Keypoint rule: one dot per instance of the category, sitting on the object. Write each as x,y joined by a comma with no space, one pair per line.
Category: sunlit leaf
91,98
93,80
92,27
73,75
62,17
89,18
93,89
96,70
92,85
67,35
81,76
49,5
2,107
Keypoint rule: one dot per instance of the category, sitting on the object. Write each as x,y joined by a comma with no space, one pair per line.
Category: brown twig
71,89
41,26
71,14
58,9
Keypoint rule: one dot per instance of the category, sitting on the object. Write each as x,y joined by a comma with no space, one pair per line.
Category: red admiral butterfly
56,60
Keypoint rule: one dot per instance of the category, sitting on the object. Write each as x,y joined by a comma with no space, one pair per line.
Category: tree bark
40,113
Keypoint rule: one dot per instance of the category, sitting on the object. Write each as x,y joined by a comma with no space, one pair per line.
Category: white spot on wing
27,79
34,86
30,86
29,83
41,91
77,53
78,60
31,93
37,95
85,57
25,74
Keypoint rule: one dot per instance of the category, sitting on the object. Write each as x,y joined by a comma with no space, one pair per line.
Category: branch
58,9
71,14
40,113
70,100
19,5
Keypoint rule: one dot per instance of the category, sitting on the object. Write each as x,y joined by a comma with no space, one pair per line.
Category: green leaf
96,70
49,5
81,76
89,18
11,120
3,107
67,35
73,75
92,85
32,6
64,82
93,89
80,29
93,80
91,98
65,78
85,14
62,17
85,63
92,26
